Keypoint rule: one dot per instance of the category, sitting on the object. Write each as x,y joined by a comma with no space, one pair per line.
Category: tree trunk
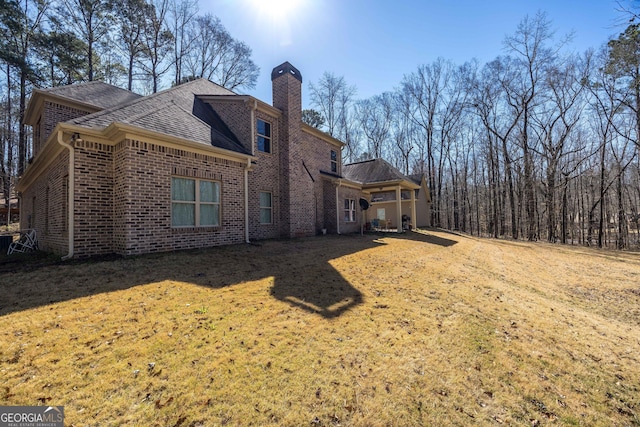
550,203
622,222
602,194
22,130
565,187
512,199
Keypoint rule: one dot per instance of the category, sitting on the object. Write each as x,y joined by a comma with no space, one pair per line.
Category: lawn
424,328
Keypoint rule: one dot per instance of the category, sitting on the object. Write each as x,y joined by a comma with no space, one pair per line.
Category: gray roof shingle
371,171
175,112
98,94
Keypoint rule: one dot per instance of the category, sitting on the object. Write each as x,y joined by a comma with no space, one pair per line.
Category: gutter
71,190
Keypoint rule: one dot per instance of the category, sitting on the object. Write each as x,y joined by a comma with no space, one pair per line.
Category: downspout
338,207
71,190
246,201
246,172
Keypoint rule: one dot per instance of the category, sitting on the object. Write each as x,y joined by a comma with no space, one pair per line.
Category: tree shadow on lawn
423,235
302,274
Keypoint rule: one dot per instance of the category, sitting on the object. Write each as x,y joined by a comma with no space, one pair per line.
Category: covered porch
392,206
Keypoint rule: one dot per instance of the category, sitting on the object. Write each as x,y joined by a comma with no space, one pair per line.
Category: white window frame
265,208
334,161
265,137
198,203
349,210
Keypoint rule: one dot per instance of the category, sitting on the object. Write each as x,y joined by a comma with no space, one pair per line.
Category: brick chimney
287,91
296,186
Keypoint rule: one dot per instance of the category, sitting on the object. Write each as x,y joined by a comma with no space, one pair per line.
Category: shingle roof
175,112
370,171
98,94
416,178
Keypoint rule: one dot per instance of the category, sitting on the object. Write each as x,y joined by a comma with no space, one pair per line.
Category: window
334,161
266,208
350,210
195,203
264,136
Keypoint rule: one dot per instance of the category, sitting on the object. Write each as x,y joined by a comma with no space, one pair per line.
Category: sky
374,43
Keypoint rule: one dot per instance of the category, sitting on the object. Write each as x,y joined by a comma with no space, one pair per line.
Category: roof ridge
143,98
363,161
48,89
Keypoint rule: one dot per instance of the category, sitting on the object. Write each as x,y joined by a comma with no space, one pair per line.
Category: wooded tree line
540,143
134,44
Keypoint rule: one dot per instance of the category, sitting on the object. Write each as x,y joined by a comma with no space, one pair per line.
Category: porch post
413,210
398,210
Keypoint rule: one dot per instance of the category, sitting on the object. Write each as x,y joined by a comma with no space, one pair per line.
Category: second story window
264,136
334,161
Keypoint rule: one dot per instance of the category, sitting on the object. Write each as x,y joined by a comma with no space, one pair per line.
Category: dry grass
418,329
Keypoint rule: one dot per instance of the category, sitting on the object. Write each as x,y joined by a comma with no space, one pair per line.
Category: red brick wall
353,194
142,198
298,191
48,215
236,115
51,115
93,204
123,200
266,176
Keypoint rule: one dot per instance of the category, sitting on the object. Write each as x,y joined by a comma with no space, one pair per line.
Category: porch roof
377,173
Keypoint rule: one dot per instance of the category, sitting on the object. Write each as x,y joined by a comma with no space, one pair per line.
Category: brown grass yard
424,328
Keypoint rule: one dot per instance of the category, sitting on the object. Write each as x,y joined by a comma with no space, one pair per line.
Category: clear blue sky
374,43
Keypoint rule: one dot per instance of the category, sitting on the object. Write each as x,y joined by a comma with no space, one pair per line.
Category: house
193,166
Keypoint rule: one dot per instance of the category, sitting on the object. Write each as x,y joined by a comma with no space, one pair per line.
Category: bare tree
333,98
375,116
131,17
555,119
500,119
92,21
157,43
217,56
181,16
533,55
403,132
423,91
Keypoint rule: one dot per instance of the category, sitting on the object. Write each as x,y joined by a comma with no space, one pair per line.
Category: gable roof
90,97
97,94
416,178
176,112
372,171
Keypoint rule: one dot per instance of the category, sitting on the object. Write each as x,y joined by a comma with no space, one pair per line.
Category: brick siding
298,192
52,114
142,199
266,176
48,215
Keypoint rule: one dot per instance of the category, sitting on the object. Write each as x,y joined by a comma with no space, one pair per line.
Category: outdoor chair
27,242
